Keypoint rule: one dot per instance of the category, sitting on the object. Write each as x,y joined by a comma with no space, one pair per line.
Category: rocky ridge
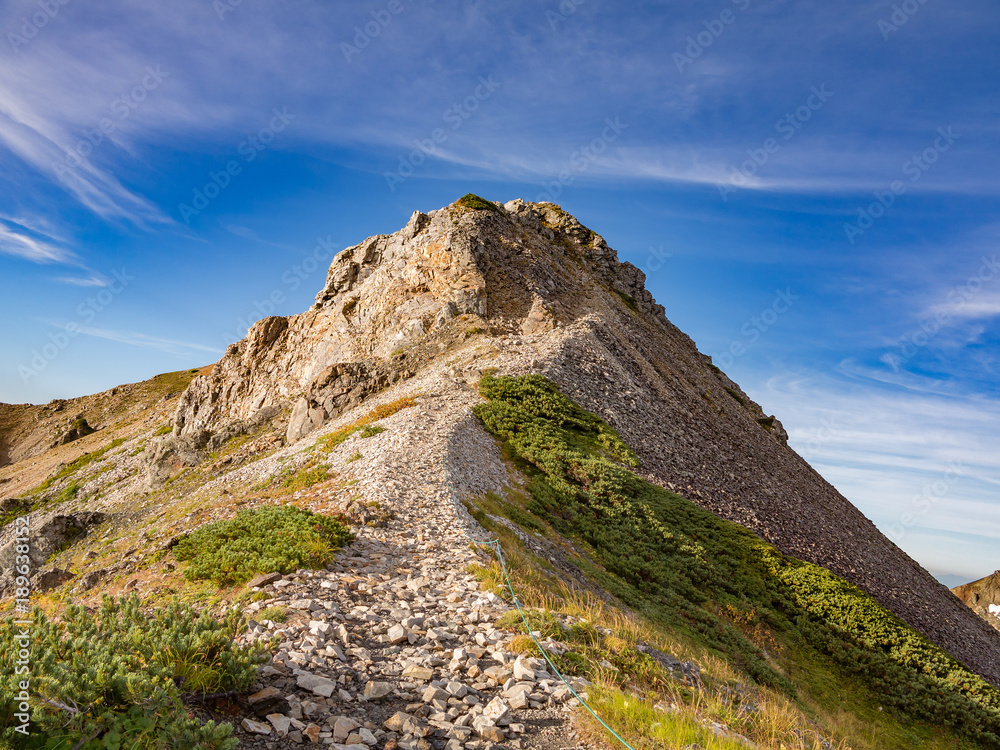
533,278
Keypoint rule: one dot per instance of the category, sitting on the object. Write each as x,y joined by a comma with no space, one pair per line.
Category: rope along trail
494,544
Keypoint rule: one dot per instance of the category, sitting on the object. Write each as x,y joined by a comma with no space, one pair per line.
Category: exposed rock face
983,598
47,536
77,429
531,275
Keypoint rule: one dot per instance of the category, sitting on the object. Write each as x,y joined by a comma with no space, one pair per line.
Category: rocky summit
366,407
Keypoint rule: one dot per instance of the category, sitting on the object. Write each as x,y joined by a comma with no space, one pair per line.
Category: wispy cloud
92,280
134,338
21,242
917,462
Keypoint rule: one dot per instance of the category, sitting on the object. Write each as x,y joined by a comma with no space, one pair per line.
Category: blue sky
810,187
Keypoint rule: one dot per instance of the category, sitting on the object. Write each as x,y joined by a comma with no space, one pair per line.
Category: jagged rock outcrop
983,598
47,536
531,276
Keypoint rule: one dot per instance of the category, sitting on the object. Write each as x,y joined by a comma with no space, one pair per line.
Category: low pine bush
685,567
273,538
116,679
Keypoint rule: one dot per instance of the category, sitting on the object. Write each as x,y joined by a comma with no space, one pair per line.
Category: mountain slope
375,405
535,271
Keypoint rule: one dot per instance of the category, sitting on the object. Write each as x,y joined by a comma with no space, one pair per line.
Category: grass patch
305,477
474,202
163,430
766,422
274,614
332,440
354,457
274,538
742,402
700,576
628,299
77,464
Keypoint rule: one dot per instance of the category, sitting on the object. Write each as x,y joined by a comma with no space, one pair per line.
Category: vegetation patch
116,678
305,477
76,464
274,614
474,202
332,440
742,402
273,538
687,569
628,299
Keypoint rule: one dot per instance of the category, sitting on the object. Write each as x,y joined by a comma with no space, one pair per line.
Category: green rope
495,543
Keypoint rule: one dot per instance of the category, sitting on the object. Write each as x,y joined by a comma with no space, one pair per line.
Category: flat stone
397,634
432,694
522,670
487,729
321,686
375,690
255,727
416,672
312,732
263,579
342,728
395,722
519,699
280,722
457,689
267,694
497,710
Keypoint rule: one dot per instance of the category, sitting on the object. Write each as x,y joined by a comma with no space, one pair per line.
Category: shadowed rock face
530,272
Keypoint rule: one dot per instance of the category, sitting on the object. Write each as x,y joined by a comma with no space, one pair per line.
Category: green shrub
473,201
371,430
274,614
274,538
115,679
679,564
